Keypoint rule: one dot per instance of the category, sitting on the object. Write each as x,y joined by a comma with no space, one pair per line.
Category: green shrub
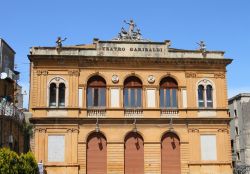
11,163
28,164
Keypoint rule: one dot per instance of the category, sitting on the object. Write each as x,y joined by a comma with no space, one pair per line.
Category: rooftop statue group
131,34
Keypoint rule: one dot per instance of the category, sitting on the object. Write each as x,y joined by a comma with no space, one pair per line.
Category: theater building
130,106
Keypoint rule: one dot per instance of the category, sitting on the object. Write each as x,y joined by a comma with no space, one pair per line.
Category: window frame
133,86
57,81
207,103
96,84
167,86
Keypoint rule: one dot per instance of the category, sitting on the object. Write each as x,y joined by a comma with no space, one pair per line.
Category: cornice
56,120
94,61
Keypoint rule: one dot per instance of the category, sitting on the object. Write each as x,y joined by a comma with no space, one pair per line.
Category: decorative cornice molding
219,75
190,75
42,72
193,130
223,130
40,130
73,72
73,130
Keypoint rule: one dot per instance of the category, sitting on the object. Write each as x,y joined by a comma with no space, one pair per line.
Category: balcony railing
11,74
133,113
169,113
96,112
8,109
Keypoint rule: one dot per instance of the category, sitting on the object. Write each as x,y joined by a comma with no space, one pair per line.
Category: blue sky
222,24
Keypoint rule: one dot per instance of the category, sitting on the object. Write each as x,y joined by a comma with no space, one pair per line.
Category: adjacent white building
239,111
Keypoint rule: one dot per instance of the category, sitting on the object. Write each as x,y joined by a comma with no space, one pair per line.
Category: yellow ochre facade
125,106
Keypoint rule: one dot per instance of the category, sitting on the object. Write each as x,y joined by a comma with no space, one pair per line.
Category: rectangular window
235,113
115,97
174,98
162,98
102,97
132,97
89,97
138,100
238,156
236,130
168,98
184,98
56,148
80,98
208,147
96,97
126,104
150,98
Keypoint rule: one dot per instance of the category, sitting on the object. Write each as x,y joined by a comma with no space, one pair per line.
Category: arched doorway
170,154
134,154
96,153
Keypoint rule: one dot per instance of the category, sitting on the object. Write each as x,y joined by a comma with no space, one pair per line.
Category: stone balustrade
133,113
96,112
165,113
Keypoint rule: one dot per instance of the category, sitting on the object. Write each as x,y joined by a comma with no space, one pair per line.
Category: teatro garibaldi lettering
132,49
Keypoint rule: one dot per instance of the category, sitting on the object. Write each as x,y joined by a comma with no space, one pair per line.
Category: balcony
96,112
133,113
9,110
169,113
11,75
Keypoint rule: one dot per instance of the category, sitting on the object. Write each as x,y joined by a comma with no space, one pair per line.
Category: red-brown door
96,154
170,154
134,154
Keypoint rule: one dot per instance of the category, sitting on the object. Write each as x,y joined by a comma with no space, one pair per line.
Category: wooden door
170,154
96,154
134,154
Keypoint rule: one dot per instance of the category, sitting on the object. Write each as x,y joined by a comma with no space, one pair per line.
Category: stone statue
132,34
132,26
202,45
59,42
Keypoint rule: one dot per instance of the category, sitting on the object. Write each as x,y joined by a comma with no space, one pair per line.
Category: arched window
201,95
96,92
134,154
205,94
96,153
132,92
52,94
168,93
209,92
61,94
170,154
57,92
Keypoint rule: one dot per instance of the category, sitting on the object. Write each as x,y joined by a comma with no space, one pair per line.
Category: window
236,130
132,92
115,97
238,156
61,94
208,147
168,93
201,95
205,94
56,148
235,113
52,96
96,92
232,145
57,90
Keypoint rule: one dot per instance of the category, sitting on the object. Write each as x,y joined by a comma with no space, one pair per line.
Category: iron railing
9,110
241,169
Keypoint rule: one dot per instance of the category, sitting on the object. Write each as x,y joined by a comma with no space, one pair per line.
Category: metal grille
242,169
